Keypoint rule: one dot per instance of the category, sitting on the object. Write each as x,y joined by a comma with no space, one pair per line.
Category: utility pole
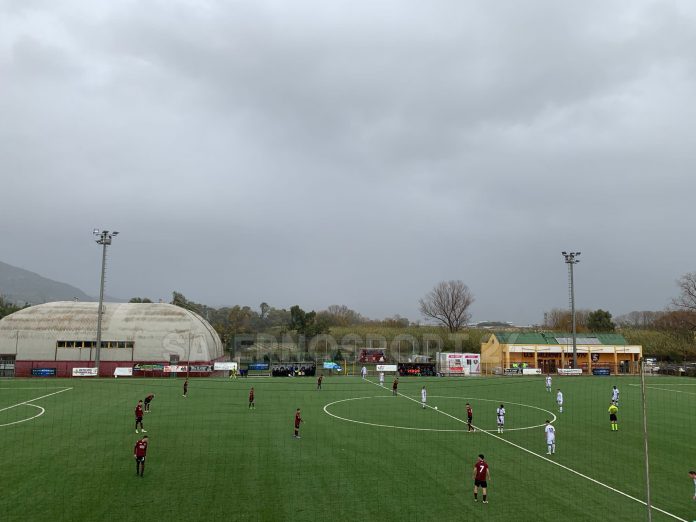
571,259
103,237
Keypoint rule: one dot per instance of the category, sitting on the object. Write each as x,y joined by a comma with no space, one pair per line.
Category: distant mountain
22,286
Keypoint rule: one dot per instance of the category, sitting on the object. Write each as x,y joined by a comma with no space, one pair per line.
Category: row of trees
7,308
447,304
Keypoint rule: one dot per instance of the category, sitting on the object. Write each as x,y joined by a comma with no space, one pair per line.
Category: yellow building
550,351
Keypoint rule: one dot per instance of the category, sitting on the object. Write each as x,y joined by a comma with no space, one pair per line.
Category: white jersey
381,377
363,371
615,394
559,398
501,415
550,433
548,381
424,395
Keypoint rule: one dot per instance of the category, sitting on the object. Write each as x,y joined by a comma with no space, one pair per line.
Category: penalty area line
594,481
32,400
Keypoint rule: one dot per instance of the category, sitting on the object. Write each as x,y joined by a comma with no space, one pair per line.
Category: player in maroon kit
469,417
251,399
186,388
298,420
481,477
148,400
139,417
321,378
395,385
140,452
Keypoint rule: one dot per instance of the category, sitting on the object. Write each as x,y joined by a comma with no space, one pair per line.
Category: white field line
650,386
668,384
32,400
42,388
550,461
27,419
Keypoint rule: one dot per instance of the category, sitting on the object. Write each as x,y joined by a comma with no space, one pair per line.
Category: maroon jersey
298,419
149,398
251,396
140,448
469,412
394,385
321,377
138,411
481,470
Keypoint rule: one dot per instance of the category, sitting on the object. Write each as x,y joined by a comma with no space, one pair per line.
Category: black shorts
138,419
147,401
612,417
469,420
481,483
140,459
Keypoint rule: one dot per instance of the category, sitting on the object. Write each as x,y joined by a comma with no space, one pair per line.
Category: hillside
22,286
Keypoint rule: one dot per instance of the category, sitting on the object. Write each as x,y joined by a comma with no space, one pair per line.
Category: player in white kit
548,383
550,438
615,395
500,412
363,372
424,396
559,400
381,378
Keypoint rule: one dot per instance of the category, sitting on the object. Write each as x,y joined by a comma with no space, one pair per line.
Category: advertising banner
259,366
459,363
174,368
84,372
123,372
601,371
386,368
569,371
200,368
43,372
148,367
513,371
225,366
531,371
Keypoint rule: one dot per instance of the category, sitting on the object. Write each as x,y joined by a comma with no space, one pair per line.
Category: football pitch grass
363,454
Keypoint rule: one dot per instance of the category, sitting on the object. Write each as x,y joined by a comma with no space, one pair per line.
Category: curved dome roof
156,328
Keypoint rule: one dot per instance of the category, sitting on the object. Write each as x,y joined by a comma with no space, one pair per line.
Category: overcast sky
352,152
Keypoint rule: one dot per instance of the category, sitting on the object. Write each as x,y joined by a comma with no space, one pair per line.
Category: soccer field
363,454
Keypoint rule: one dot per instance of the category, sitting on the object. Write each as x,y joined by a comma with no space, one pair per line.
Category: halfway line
544,458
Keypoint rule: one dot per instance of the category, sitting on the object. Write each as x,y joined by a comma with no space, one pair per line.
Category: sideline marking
32,400
43,388
27,419
665,389
595,481
431,429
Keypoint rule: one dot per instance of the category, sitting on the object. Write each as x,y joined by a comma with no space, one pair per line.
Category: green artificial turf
210,458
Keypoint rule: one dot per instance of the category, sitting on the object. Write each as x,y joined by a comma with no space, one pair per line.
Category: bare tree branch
687,298
448,303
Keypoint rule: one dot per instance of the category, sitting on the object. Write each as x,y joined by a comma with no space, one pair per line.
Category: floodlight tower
103,237
571,259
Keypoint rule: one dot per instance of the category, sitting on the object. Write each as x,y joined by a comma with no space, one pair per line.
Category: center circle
327,406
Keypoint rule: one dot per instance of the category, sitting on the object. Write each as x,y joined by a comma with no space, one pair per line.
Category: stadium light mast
103,237
571,259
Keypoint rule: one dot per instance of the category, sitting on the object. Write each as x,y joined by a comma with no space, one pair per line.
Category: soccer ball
436,407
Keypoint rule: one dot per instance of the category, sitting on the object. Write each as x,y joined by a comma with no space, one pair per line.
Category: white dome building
63,335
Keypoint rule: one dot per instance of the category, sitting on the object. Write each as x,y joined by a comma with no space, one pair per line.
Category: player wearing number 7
481,477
